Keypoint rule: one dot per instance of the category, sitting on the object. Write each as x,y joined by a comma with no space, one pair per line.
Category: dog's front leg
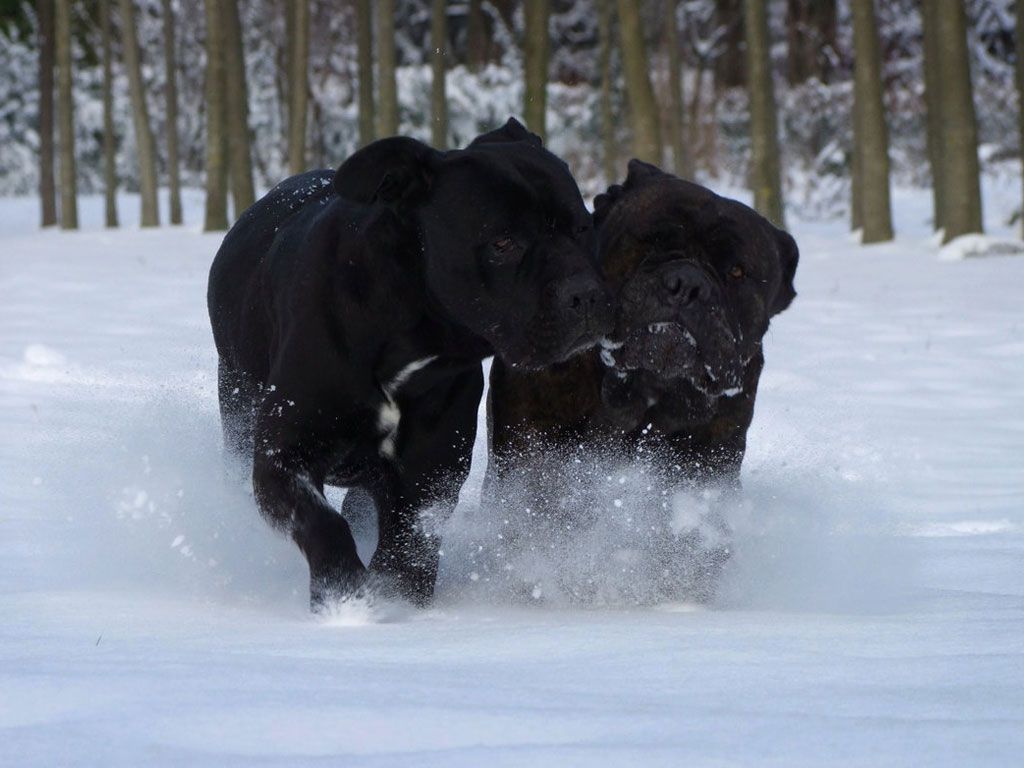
422,482
292,499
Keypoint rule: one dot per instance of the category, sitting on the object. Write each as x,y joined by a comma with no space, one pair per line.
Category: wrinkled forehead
668,221
515,170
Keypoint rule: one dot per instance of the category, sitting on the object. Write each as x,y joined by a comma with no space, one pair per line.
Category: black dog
696,279
351,311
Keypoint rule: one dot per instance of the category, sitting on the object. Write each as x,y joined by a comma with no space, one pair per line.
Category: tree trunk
476,42
237,124
536,46
933,105
438,69
364,41
765,175
47,189
109,144
298,83
856,177
962,190
171,98
1020,85
387,115
681,162
810,32
873,145
730,67
604,22
216,138
66,119
643,110
144,143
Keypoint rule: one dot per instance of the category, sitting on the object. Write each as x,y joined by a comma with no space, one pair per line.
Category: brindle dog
696,278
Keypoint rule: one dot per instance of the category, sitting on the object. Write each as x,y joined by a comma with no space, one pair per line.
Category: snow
873,613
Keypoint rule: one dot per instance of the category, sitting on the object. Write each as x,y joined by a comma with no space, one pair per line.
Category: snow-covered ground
873,614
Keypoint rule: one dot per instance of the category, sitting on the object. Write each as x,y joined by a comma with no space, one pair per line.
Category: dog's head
697,278
509,250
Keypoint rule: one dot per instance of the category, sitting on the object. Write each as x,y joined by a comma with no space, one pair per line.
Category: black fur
342,299
696,278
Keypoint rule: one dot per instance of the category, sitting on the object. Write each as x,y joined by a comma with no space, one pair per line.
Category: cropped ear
789,255
393,171
512,130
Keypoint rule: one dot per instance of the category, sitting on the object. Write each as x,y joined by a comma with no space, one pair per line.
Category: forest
817,106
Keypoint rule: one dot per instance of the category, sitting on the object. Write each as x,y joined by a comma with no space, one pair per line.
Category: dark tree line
649,61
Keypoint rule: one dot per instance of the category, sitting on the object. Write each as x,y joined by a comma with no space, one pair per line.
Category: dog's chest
389,414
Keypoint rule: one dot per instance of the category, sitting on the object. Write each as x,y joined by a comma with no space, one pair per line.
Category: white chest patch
389,416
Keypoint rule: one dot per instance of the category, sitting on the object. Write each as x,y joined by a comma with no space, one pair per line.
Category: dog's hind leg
238,393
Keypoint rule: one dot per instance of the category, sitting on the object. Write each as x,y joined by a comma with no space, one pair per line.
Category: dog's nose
686,284
580,295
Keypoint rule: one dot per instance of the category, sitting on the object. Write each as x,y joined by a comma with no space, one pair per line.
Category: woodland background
817,106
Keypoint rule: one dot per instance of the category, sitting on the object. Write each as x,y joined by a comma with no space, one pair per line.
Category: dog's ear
639,172
604,203
392,171
512,130
789,255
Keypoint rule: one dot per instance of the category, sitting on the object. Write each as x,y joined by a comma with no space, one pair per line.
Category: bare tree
960,175
856,176
765,174
144,143
476,42
682,164
933,105
236,126
66,119
871,130
171,98
297,19
216,138
438,69
604,25
109,143
643,110
1020,79
810,34
47,189
536,45
730,67
387,114
364,43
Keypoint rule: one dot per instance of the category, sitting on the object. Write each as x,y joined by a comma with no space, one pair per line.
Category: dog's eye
736,273
504,250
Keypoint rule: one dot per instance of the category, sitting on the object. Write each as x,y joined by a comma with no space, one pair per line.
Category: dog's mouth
670,351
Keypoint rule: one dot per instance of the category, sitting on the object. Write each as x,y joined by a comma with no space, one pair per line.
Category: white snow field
872,615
